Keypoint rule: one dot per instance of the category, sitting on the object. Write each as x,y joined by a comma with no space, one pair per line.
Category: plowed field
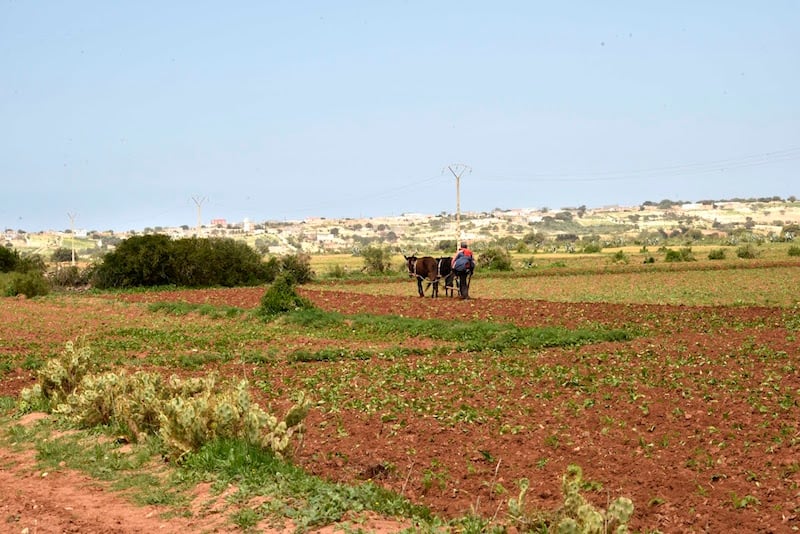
696,419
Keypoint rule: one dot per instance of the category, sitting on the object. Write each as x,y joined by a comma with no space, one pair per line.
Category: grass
470,336
309,500
140,476
692,284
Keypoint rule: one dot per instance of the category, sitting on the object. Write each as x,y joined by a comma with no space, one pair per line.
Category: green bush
717,254
619,257
495,259
376,260
31,284
336,271
62,254
747,252
272,268
576,515
8,259
30,263
185,414
281,297
58,378
137,261
794,250
225,262
592,248
156,260
683,254
297,268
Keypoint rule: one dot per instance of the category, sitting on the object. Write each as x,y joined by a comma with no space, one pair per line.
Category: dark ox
445,269
431,269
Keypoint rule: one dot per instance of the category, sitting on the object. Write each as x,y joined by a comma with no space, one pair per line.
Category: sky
131,115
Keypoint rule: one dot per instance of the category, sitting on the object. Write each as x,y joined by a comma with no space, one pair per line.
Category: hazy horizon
123,115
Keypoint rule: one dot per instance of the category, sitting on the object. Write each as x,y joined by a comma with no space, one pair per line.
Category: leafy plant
747,252
296,268
281,297
717,254
156,260
58,378
576,515
620,257
184,413
495,259
683,254
377,260
31,284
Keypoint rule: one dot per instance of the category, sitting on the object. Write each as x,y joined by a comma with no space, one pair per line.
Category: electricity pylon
457,170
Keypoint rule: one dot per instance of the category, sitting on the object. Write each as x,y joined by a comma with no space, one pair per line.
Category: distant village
741,219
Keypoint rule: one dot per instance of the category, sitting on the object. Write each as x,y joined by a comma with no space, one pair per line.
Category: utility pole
72,229
457,170
199,202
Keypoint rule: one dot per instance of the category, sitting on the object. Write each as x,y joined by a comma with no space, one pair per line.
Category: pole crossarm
458,170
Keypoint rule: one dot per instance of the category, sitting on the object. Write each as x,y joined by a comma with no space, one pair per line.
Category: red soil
686,459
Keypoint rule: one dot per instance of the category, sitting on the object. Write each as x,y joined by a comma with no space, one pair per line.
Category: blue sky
122,113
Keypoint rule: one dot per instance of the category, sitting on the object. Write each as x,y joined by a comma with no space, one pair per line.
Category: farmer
463,264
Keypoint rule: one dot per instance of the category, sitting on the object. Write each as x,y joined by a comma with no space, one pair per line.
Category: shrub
70,276
30,263
683,254
30,284
592,248
336,271
619,257
794,250
8,259
576,514
376,260
137,261
186,414
188,422
717,254
297,268
747,252
62,254
495,259
58,378
223,262
272,268
280,298
156,260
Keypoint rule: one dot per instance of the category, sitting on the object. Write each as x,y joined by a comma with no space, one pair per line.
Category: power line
722,165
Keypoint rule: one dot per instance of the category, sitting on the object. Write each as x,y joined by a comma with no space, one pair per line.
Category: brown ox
424,268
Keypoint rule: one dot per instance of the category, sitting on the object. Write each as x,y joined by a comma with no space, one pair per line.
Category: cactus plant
184,413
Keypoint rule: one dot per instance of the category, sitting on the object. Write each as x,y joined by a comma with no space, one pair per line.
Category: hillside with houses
650,223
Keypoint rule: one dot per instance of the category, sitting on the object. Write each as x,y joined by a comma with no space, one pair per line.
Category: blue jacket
464,261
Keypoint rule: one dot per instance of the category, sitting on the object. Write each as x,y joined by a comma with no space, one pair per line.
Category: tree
447,245
376,260
8,259
154,260
533,238
297,268
495,259
62,254
138,261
